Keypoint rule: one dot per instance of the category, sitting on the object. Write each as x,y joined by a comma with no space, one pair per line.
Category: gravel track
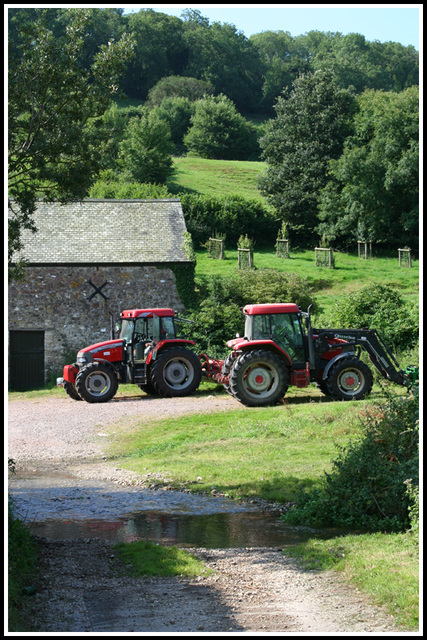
80,589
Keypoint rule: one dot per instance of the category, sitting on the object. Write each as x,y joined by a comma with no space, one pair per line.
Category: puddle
62,507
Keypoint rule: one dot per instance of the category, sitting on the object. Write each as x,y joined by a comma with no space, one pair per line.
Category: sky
383,22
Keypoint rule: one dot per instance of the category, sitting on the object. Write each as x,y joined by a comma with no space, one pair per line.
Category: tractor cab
144,329
278,325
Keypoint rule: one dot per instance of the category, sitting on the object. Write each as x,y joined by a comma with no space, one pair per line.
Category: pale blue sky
396,23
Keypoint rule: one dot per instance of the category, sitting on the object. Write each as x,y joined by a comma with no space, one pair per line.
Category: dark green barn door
26,365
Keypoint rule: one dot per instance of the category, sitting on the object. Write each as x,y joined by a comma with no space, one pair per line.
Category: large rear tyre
176,372
148,389
96,382
349,379
259,378
226,369
70,390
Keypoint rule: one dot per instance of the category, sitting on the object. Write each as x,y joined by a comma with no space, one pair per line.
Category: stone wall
61,302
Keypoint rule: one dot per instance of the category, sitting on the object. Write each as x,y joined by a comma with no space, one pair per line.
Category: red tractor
277,352
146,352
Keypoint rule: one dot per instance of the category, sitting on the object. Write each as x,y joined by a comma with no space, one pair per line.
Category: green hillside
216,177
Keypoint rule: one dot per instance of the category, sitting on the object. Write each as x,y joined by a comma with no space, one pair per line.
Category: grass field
216,177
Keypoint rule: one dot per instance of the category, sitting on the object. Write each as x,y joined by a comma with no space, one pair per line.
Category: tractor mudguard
174,342
249,345
346,354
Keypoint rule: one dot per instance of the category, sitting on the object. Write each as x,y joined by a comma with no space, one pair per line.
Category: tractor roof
147,313
262,309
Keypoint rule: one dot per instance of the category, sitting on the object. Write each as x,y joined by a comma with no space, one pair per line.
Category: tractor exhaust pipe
311,358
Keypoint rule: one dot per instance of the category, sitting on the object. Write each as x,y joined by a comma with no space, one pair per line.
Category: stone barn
88,261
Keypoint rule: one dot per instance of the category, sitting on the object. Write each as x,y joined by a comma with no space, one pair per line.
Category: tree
178,87
218,131
312,122
177,112
374,185
283,60
159,51
50,101
224,57
145,153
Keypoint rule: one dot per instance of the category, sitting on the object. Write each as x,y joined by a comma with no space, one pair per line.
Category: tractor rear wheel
148,389
70,390
97,382
349,379
225,370
176,372
259,378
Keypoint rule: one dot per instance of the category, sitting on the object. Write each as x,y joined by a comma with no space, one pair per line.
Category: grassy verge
22,561
385,566
270,453
145,558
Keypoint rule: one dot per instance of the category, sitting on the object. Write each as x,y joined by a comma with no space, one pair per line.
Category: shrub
109,186
379,307
368,486
219,132
176,112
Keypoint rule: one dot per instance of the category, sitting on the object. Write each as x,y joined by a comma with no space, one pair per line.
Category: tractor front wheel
97,382
349,379
176,372
259,378
70,390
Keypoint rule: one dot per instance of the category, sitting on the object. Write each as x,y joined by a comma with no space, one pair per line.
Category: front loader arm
378,352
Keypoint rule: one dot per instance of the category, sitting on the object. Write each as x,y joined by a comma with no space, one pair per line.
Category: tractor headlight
84,358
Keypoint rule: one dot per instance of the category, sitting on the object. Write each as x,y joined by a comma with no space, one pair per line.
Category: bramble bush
374,480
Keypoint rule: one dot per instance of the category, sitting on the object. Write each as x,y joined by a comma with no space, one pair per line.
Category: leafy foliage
108,186
367,488
374,184
219,132
312,123
380,307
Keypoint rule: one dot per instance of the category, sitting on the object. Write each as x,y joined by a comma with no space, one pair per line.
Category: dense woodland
252,72
334,117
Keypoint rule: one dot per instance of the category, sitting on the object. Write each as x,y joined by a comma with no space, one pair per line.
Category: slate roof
106,232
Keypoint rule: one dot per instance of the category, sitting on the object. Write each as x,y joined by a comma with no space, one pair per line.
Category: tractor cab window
143,328
286,332
126,331
261,327
167,328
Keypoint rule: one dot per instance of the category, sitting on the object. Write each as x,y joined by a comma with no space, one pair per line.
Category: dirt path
82,588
